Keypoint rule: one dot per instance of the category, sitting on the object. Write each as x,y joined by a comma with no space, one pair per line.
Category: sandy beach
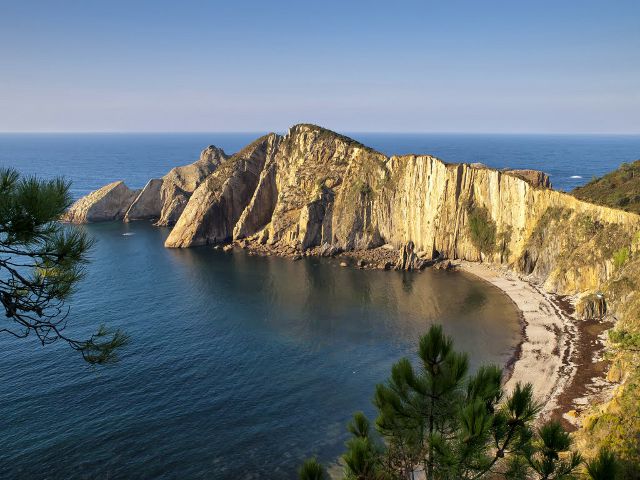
544,356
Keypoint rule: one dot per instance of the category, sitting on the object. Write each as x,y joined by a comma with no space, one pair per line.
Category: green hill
617,189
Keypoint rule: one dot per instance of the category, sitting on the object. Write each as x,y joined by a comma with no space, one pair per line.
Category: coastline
555,349
544,356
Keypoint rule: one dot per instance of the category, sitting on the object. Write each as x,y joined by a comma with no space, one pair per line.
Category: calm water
239,367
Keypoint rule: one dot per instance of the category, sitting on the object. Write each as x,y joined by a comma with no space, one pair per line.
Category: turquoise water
239,366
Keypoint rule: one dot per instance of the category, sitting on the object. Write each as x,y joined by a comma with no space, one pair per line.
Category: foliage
548,453
625,340
437,422
41,262
620,257
603,467
363,456
589,227
618,189
482,228
364,188
618,427
311,470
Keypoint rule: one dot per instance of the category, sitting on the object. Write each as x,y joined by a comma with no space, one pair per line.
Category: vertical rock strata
315,187
217,204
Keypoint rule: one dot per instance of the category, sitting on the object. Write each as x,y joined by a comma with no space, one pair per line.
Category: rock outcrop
105,204
314,187
217,204
317,192
164,199
161,199
319,188
408,259
148,204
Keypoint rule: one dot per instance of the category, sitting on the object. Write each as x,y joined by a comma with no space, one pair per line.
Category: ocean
238,367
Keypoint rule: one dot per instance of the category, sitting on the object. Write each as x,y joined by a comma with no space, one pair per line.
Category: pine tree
311,470
548,453
603,467
41,262
438,423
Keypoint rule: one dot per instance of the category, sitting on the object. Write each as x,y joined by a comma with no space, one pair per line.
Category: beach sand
544,357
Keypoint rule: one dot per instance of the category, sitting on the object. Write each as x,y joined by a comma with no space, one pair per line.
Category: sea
238,367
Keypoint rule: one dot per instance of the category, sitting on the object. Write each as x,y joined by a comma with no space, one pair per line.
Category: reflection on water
239,366
315,301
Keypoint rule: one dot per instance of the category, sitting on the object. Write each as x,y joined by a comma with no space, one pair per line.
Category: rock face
148,204
314,188
408,258
319,188
164,199
217,204
105,204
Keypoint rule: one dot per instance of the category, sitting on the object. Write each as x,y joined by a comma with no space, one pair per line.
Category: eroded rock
217,204
105,204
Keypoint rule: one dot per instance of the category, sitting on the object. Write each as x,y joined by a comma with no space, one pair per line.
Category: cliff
216,205
314,187
162,199
313,190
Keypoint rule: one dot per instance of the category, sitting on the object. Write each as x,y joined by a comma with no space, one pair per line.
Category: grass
620,257
618,189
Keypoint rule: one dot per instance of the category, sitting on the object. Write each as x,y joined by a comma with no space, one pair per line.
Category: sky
561,66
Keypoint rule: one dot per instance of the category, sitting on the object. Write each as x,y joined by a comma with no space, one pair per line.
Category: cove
239,366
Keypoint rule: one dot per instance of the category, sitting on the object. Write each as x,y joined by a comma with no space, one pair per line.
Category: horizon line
261,132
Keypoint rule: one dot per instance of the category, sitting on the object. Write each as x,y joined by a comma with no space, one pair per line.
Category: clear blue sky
426,66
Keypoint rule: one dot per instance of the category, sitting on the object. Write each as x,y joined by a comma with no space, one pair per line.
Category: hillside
617,189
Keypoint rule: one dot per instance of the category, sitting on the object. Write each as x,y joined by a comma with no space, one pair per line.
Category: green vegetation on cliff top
617,189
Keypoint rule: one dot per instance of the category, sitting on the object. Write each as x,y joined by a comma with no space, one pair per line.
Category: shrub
482,228
364,189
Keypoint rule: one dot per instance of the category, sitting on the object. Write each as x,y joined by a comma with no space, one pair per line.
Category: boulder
593,306
408,259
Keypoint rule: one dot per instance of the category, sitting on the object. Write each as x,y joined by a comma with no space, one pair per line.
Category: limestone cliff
105,204
216,205
164,199
315,187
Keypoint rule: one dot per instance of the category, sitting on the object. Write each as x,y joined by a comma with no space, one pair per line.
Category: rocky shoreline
385,257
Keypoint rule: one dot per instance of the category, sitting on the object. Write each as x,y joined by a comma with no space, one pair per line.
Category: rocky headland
315,192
